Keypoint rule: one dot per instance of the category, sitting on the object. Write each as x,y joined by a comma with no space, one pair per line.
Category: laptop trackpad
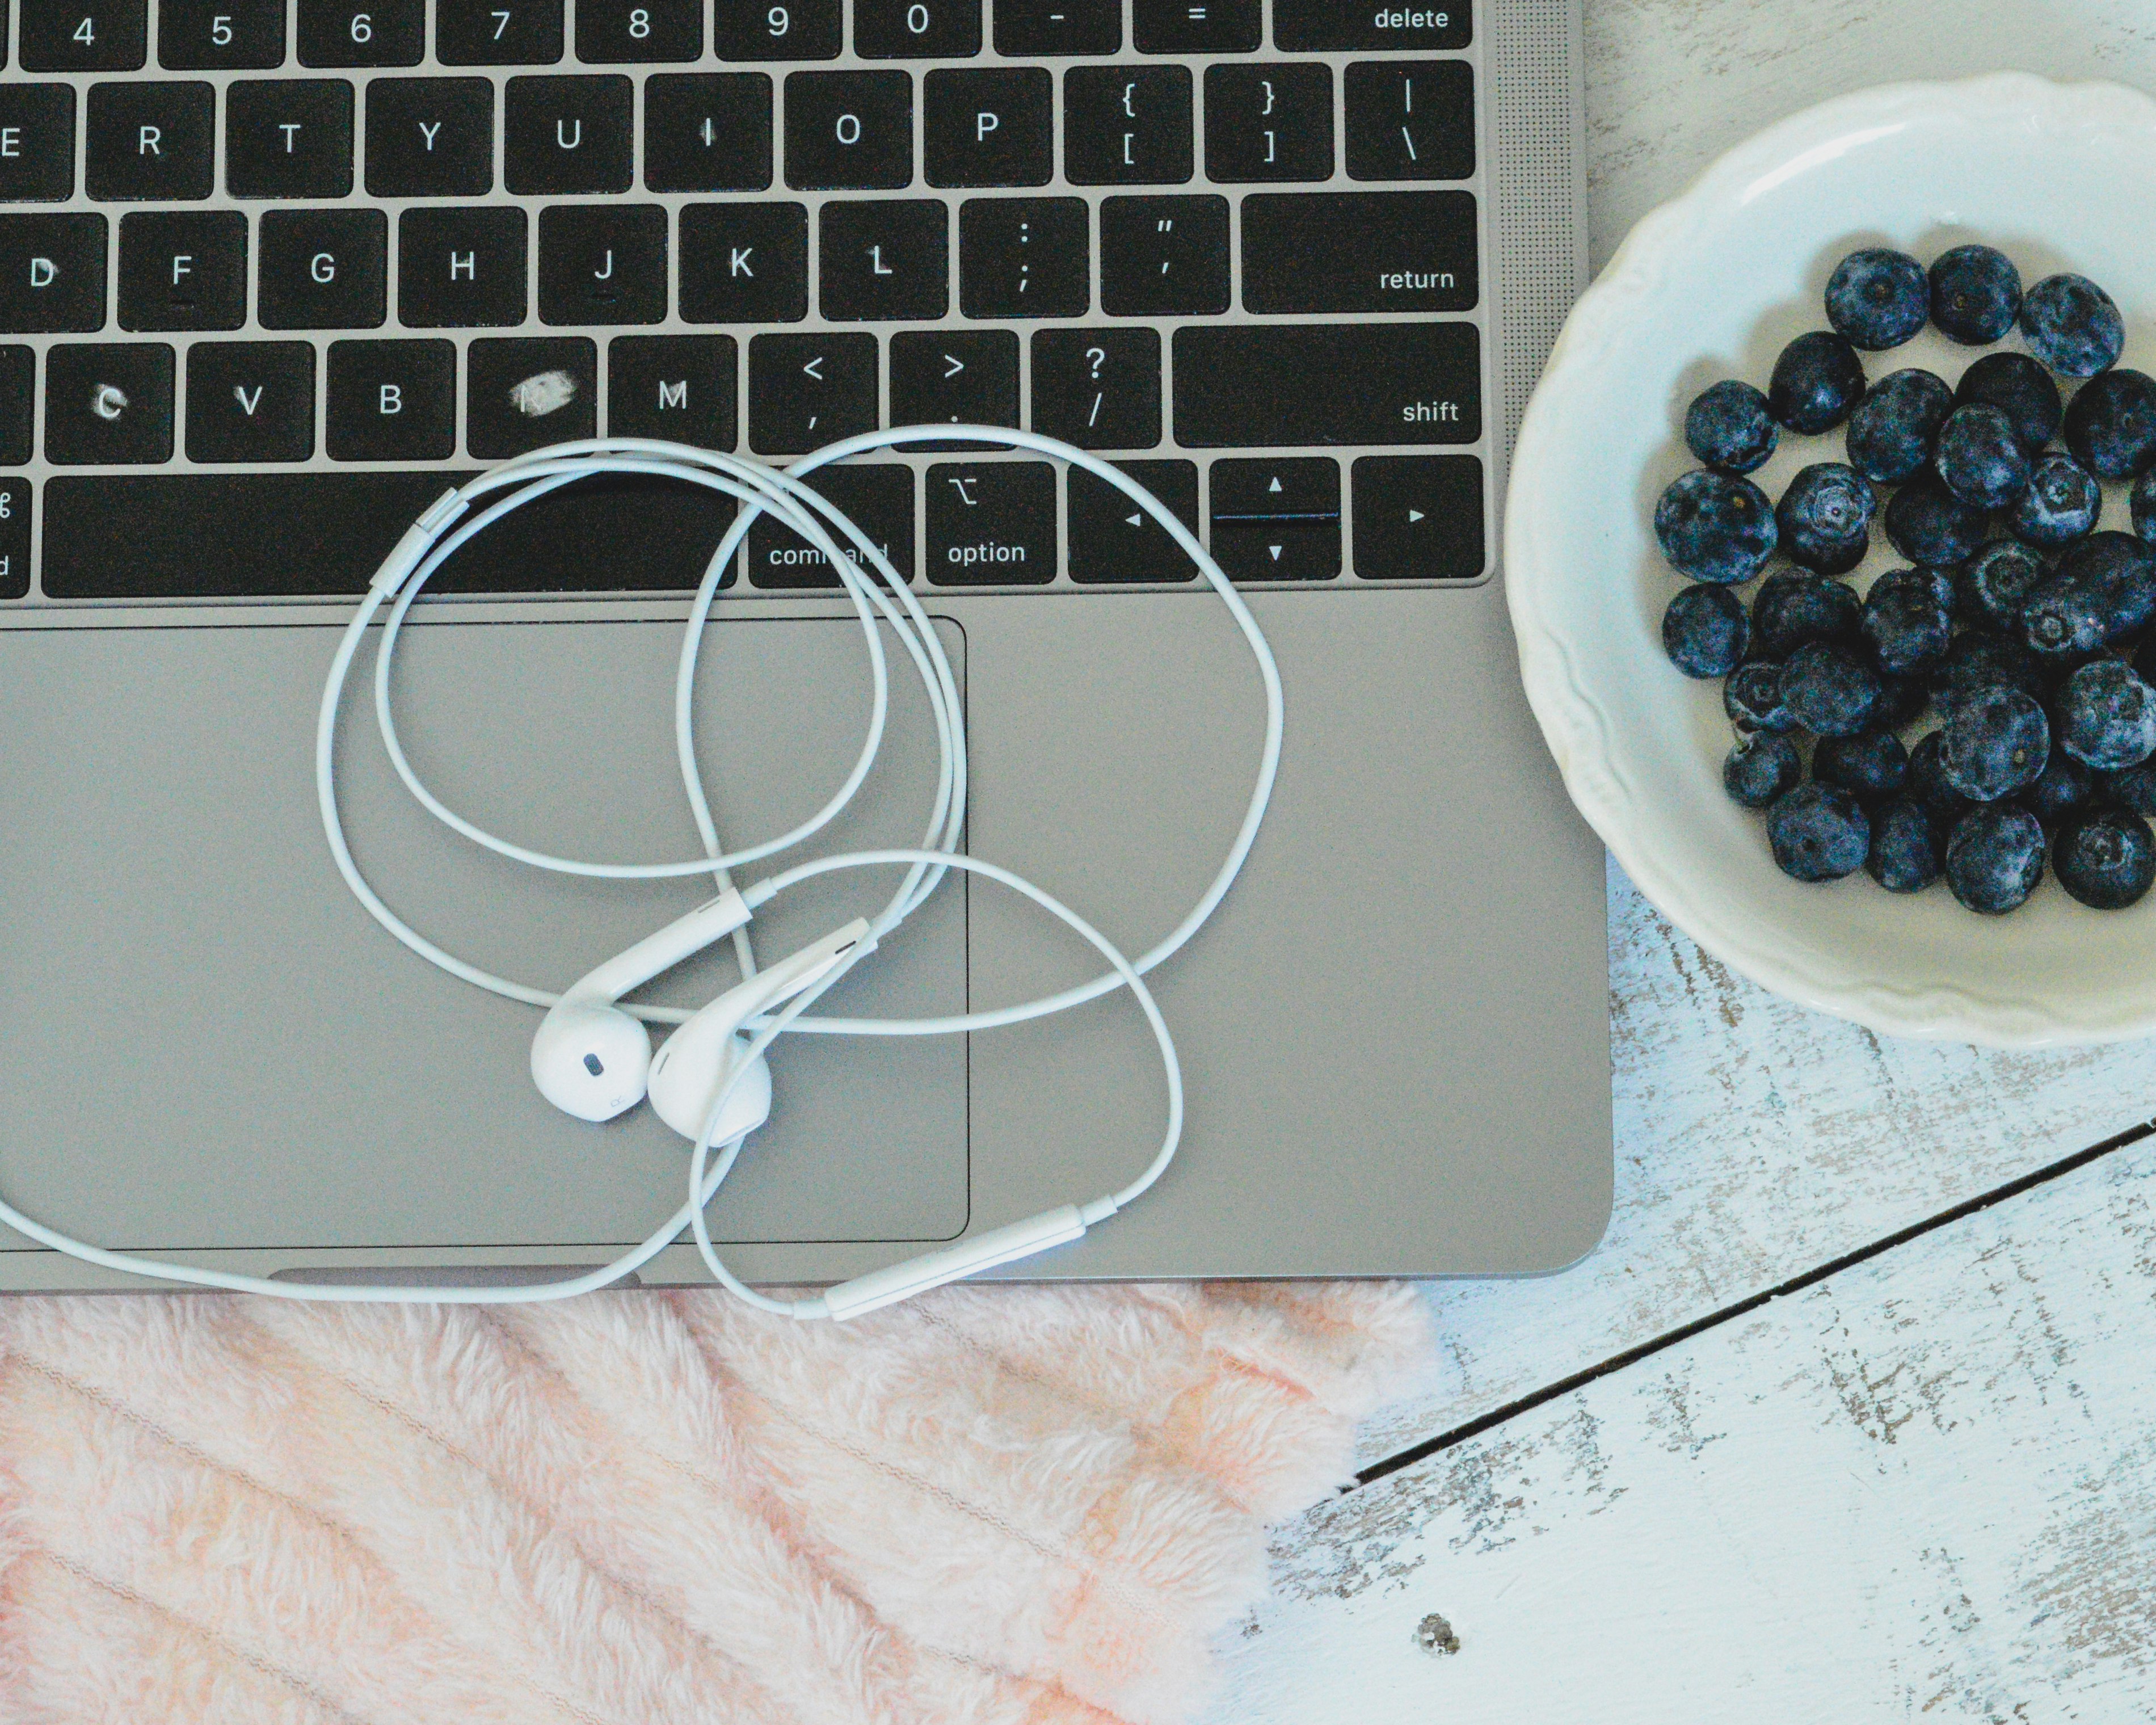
210,1044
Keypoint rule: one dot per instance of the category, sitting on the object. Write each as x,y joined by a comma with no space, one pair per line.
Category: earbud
590,1059
696,1060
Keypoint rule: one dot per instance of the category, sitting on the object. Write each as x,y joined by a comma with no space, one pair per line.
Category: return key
1360,251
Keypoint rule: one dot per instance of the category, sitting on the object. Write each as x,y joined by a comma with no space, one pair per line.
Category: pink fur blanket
1008,1506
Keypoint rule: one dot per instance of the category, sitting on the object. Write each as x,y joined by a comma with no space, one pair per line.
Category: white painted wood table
1852,1416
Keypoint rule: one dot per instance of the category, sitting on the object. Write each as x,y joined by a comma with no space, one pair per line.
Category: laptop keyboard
271,277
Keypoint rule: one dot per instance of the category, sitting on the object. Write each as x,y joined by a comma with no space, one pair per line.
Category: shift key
1282,384
1360,251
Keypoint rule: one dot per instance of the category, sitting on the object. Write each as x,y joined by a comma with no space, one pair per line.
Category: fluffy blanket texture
997,1505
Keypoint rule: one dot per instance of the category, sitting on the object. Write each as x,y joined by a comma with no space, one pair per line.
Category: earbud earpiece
694,1062
590,1059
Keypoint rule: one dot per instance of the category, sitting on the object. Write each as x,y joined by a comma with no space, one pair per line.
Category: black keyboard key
150,140
621,533
1410,119
1099,389
1360,251
707,132
991,524
52,275
250,401
1328,26
498,32
1269,122
83,35
392,401
877,497
14,536
1419,518
916,29
776,29
1024,257
288,138
18,367
523,393
806,391
429,137
460,268
888,258
37,143
182,270
108,403
362,32
677,388
988,128
603,263
744,263
1255,385
610,33
1195,26
1164,256
1277,520
322,269
953,378
568,135
220,35
1114,540
1036,29
1126,125
849,130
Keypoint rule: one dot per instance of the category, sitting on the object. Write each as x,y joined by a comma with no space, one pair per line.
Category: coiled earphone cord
762,489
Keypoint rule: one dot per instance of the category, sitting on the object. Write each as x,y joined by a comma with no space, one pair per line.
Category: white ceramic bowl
2059,176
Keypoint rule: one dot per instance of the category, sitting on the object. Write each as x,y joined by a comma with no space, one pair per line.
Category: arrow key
1419,518
1113,539
1277,520
953,376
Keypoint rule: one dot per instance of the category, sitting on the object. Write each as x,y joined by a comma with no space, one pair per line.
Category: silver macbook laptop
272,273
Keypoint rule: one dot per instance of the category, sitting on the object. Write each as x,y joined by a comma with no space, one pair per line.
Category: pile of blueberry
2030,635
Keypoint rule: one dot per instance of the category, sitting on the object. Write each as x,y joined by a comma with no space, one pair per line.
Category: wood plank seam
1669,1339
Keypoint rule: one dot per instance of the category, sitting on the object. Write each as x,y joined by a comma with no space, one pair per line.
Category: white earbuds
590,1059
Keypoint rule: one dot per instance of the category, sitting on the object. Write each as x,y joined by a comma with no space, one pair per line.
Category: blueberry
1927,783
1995,743
1753,698
2102,591
1817,380
1828,690
2072,324
2061,503
1905,851
1729,428
2106,861
1824,520
2019,388
1927,524
1892,430
1993,586
1878,298
2134,789
1995,858
2107,716
1705,632
1713,527
1979,459
2110,423
1819,832
1794,607
1901,701
2141,505
1978,660
1760,769
1975,292
2062,787
1908,618
1870,767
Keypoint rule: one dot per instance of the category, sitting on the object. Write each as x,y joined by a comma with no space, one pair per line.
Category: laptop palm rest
209,1043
